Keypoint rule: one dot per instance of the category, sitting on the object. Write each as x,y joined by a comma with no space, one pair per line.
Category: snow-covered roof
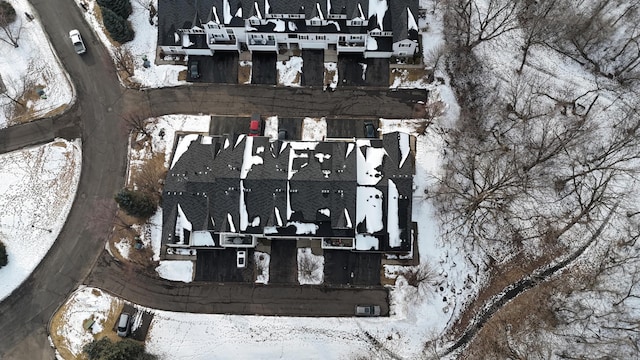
292,188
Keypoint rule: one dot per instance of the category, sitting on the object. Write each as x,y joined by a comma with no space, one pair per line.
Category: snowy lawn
289,71
262,266
31,66
310,267
314,129
36,192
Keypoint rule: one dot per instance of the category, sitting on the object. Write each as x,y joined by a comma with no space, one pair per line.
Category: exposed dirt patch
244,74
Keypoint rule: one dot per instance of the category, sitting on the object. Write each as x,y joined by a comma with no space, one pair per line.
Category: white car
77,42
241,258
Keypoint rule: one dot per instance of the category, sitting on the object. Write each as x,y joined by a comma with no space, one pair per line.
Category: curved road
96,118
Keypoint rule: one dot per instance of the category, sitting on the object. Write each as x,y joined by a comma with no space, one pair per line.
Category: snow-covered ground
36,192
290,71
314,129
32,65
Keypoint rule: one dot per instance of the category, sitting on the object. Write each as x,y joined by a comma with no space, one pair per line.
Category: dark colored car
370,130
255,126
194,69
282,134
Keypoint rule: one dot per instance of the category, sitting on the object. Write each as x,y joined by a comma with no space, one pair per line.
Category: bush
120,7
136,203
4,259
105,349
118,27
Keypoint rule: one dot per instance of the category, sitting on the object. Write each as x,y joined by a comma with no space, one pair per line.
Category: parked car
76,40
367,310
124,325
241,258
194,69
282,134
255,126
370,130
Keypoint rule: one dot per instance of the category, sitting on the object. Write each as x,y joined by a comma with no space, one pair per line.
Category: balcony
262,44
222,44
350,47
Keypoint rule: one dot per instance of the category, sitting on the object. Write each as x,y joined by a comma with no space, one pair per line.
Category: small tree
105,349
136,203
117,26
3,255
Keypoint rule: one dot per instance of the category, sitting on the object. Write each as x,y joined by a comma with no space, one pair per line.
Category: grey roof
210,185
182,14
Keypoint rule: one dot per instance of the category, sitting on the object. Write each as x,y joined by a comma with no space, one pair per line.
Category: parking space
312,67
377,73
263,68
348,128
221,125
349,268
283,265
293,127
225,67
137,317
220,266
350,70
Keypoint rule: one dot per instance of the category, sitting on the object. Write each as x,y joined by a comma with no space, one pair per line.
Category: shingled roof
184,14
360,189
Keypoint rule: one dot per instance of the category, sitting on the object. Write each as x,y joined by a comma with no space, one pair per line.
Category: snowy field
31,65
36,192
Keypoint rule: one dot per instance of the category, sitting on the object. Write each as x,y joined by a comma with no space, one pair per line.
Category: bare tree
536,26
124,60
10,24
137,121
474,21
18,92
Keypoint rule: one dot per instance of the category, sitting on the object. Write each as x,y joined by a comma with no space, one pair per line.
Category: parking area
283,265
355,70
219,265
345,267
312,68
377,73
143,318
263,68
222,67
345,128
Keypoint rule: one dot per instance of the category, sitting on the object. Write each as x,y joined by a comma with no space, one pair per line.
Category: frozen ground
314,129
31,65
290,71
36,192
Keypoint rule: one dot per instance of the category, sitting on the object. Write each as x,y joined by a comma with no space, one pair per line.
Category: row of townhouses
372,28
231,191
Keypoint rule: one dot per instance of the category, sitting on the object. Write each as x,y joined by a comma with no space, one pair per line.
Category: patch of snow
262,261
369,208
332,67
123,247
176,270
411,21
183,144
182,223
367,242
379,9
372,45
314,129
393,221
279,25
249,160
326,212
364,69
405,149
36,193
226,11
271,127
369,164
310,267
278,217
289,71
202,238
292,26
304,228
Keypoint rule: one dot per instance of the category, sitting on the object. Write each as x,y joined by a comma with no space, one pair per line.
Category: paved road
124,280
96,116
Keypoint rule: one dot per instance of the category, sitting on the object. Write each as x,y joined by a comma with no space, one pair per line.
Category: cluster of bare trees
538,173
